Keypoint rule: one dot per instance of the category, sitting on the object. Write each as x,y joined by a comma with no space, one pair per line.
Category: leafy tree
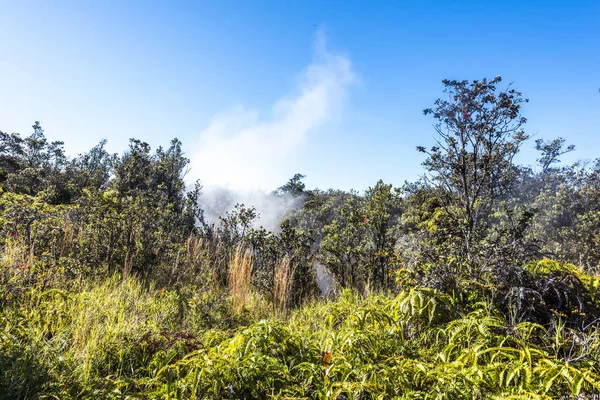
382,209
550,151
133,171
194,214
236,224
11,154
33,165
429,234
318,210
294,187
480,132
359,246
40,153
342,250
295,246
289,245
568,218
91,170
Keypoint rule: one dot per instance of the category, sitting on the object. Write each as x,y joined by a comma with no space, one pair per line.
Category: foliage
290,247
120,339
551,151
479,134
294,187
479,281
361,242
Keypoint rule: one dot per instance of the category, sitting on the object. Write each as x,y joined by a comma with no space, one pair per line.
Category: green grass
124,339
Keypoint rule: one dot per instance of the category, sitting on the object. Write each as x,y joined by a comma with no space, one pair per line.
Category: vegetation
480,280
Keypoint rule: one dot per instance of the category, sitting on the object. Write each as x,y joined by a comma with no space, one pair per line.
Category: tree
568,218
382,209
551,151
40,153
33,165
236,224
360,244
11,154
480,132
290,248
294,187
342,250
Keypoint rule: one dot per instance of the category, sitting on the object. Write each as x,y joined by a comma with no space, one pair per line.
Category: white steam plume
244,152
271,209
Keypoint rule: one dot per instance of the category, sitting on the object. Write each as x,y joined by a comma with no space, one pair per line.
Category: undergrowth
123,339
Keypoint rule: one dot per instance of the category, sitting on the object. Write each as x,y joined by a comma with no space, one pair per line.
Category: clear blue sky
332,89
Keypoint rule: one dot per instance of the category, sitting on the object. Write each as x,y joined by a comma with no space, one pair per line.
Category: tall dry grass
240,273
284,279
193,263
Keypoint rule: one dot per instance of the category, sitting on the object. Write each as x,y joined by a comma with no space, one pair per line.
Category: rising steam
243,151
271,209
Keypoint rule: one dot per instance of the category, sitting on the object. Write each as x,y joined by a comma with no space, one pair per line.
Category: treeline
476,216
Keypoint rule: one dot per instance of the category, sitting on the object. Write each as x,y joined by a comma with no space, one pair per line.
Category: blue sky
259,90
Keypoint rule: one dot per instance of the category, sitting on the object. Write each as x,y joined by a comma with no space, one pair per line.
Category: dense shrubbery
478,281
118,339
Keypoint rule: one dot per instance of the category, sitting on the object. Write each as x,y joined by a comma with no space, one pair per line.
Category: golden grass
284,279
240,273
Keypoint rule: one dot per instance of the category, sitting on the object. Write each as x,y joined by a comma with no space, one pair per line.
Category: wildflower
326,358
467,115
366,220
14,235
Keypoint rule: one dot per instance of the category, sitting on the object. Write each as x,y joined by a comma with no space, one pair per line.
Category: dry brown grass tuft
240,272
284,279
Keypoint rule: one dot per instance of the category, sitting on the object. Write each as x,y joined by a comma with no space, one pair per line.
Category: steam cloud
271,209
244,154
